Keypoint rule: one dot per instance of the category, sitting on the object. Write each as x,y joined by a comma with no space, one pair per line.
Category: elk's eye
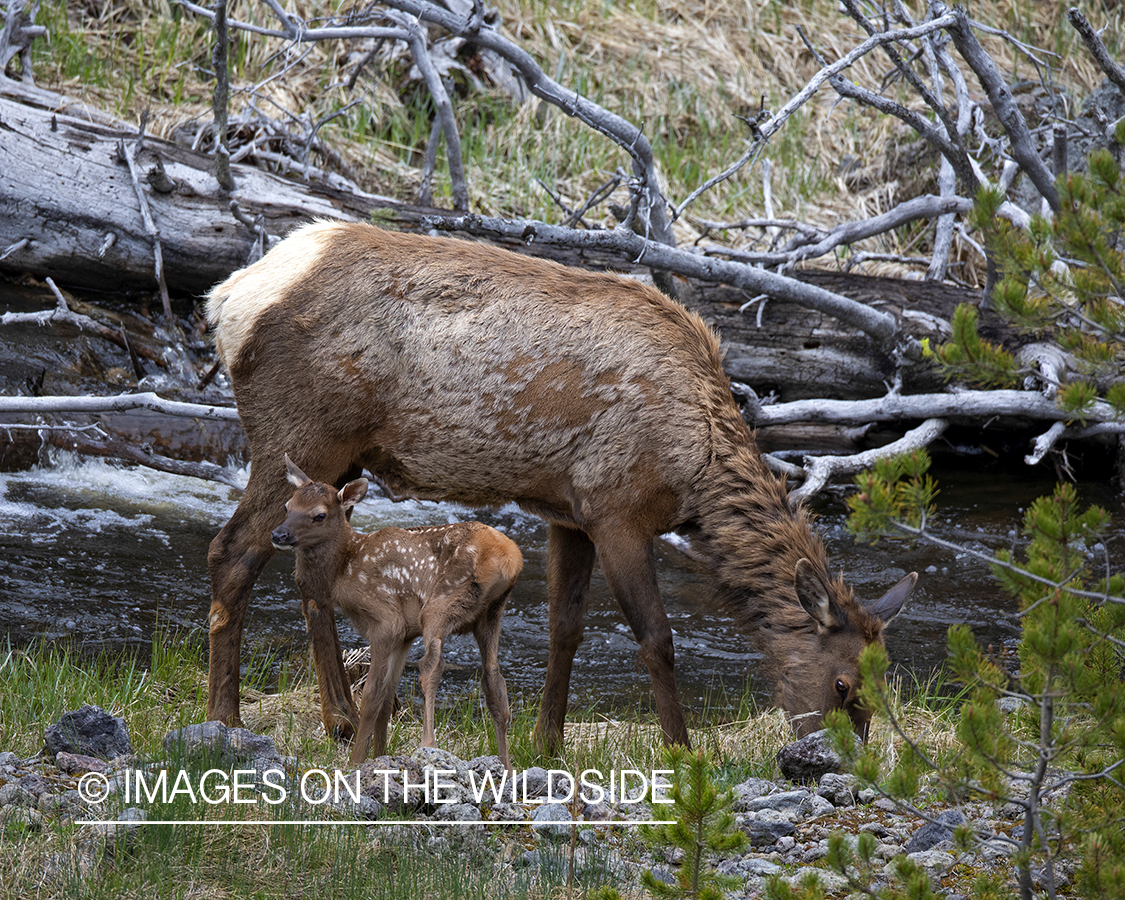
319,517
841,688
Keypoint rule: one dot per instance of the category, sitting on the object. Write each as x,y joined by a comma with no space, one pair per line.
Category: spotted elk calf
399,584
456,371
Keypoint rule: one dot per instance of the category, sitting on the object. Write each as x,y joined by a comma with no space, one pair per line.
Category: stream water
103,555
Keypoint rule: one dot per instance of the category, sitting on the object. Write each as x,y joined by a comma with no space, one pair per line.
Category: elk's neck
751,540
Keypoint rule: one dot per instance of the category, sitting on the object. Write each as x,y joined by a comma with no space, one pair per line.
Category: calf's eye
841,687
319,517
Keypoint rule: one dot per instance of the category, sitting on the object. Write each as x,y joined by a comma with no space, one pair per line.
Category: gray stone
9,760
766,826
933,860
551,820
818,807
89,731
749,790
532,782
507,812
12,794
21,816
77,763
796,802
245,744
809,759
192,740
457,812
933,833
839,789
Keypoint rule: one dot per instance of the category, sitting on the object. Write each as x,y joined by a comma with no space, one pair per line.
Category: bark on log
65,192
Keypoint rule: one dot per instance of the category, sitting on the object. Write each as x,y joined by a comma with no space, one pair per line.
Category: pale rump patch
235,305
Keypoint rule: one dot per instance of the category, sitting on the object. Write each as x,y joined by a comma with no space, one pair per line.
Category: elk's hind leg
570,560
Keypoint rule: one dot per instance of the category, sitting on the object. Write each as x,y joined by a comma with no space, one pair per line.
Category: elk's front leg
235,558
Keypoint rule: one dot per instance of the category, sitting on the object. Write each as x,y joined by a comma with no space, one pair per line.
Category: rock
12,794
766,826
749,790
215,737
9,761
77,763
809,759
457,812
551,820
795,802
532,782
933,860
245,744
838,789
88,731
933,833
192,740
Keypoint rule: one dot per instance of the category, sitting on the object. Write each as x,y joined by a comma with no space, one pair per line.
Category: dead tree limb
118,403
63,314
1095,45
127,155
972,406
221,98
820,469
763,131
17,35
1003,104
80,443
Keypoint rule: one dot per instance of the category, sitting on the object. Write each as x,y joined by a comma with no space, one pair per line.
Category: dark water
103,555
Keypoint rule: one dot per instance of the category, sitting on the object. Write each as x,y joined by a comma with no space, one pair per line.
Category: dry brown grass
686,73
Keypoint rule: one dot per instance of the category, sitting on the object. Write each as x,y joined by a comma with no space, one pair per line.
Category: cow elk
456,371
399,584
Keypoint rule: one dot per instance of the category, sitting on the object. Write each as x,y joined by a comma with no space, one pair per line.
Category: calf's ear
295,476
352,492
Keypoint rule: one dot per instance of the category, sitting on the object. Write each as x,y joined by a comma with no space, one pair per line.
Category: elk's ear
890,604
813,594
352,492
293,475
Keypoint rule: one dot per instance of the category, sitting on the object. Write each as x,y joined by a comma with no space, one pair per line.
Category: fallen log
69,209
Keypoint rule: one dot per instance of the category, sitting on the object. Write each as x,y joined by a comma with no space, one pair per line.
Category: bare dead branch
764,131
80,443
1023,147
127,154
961,405
821,468
220,97
1095,45
118,403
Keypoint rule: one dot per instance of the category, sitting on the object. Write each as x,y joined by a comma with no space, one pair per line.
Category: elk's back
464,372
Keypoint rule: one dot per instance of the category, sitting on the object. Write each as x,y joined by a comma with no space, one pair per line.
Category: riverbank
289,825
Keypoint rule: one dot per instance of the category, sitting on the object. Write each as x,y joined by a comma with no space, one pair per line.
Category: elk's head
316,512
828,678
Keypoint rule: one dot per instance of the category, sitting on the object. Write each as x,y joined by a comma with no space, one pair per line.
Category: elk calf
398,584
